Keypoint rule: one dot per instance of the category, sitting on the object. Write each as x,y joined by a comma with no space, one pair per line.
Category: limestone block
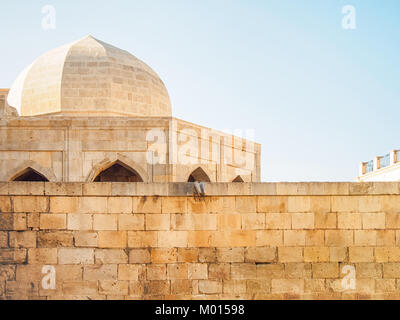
294,286
86,239
271,238
278,221
172,239
156,272
198,271
210,286
128,272
42,256
316,254
271,204
373,220
260,254
241,271
30,204
112,239
100,272
64,204
349,220
105,222
158,221
298,270
24,239
188,255
290,254
110,256
303,221
80,221
75,256
140,239
229,255
361,254
53,221
119,205
131,222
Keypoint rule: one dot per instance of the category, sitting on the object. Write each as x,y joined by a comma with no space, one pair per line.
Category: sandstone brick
344,204
315,238
146,205
156,272
385,285
136,289
105,222
185,222
131,222
96,205
391,270
325,270
210,286
80,222
235,286
174,204
316,254
20,222
42,256
86,239
325,220
158,222
188,254
100,272
63,189
303,221
392,220
140,239
337,254
157,287
269,271
314,285
96,189
17,290
179,287
30,204
119,205
23,239
7,272
299,204
275,221
387,254
260,254
253,221
201,239
232,238
298,270
177,271
112,239
33,220
374,220
75,256
369,204
229,221
221,271
295,286
64,204
139,256
361,254
386,238
69,272
55,239
290,254
5,204
110,256
294,238
198,271
12,256
349,220
243,271
3,239
53,221
365,238
272,204
230,255
164,255
210,254
258,286
80,288
245,204
172,239
339,238
6,222
271,238
368,270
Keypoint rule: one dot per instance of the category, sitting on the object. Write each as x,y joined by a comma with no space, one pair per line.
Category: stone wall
155,241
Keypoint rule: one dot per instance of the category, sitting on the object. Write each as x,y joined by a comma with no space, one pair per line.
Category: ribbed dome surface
89,78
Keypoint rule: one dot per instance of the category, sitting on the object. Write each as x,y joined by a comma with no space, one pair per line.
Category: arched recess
32,171
238,179
199,174
118,169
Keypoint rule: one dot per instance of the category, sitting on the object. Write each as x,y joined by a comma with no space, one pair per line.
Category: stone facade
158,241
77,149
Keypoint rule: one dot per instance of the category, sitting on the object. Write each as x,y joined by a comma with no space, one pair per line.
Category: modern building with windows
381,168
90,112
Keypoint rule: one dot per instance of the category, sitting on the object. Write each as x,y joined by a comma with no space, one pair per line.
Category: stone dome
89,78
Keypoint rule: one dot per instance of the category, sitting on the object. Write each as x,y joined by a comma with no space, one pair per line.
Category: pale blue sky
319,98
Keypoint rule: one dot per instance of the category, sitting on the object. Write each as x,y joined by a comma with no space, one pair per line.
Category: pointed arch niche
29,174
118,171
199,175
